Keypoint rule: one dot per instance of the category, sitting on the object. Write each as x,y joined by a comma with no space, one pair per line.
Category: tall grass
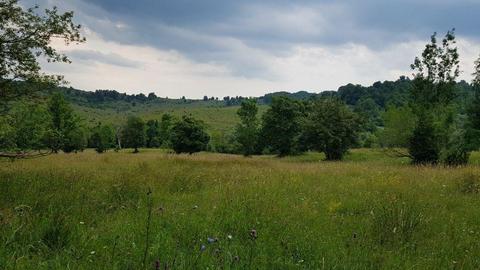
89,211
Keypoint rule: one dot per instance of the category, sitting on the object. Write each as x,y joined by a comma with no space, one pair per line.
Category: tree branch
24,154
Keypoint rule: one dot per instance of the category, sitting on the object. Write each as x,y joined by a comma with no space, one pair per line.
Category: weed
396,221
469,184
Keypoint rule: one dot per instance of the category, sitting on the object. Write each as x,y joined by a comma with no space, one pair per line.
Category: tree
436,72
65,131
134,133
23,128
246,132
153,133
432,95
188,136
399,123
152,96
281,126
331,128
24,37
102,138
423,147
473,112
76,139
166,124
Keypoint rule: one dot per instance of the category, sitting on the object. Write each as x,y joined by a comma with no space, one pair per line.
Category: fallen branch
24,154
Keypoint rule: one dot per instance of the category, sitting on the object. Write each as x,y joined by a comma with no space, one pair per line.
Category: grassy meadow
219,120
156,210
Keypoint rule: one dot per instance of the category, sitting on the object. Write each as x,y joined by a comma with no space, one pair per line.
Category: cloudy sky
249,47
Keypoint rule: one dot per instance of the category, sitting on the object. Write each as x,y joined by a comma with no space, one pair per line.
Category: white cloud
304,67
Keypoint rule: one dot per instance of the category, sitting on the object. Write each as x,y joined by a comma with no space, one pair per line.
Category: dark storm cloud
233,33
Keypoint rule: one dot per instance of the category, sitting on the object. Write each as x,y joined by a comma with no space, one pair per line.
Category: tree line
432,116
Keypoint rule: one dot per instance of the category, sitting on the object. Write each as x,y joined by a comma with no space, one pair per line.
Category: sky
222,48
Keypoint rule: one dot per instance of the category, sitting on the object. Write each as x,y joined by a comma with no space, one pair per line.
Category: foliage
188,135
281,126
399,126
436,72
246,132
166,124
66,131
433,94
369,113
473,112
330,127
30,123
26,35
134,133
423,146
153,134
102,138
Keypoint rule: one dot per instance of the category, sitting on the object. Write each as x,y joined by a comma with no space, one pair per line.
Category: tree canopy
25,36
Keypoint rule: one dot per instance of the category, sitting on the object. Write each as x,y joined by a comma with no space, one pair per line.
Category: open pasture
155,210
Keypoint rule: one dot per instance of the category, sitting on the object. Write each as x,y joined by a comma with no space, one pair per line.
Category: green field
91,211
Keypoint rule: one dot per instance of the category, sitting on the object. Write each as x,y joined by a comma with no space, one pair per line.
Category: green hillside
220,120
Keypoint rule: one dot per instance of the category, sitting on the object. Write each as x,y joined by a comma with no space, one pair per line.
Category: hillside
219,113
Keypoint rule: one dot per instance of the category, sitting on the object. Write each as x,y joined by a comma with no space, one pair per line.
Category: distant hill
219,114
382,93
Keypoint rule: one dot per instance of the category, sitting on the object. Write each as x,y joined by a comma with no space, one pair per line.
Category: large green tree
331,127
246,132
432,95
281,126
188,135
134,133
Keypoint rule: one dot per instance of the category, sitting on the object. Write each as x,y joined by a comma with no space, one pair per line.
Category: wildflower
229,237
253,234
195,207
92,252
203,247
82,223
